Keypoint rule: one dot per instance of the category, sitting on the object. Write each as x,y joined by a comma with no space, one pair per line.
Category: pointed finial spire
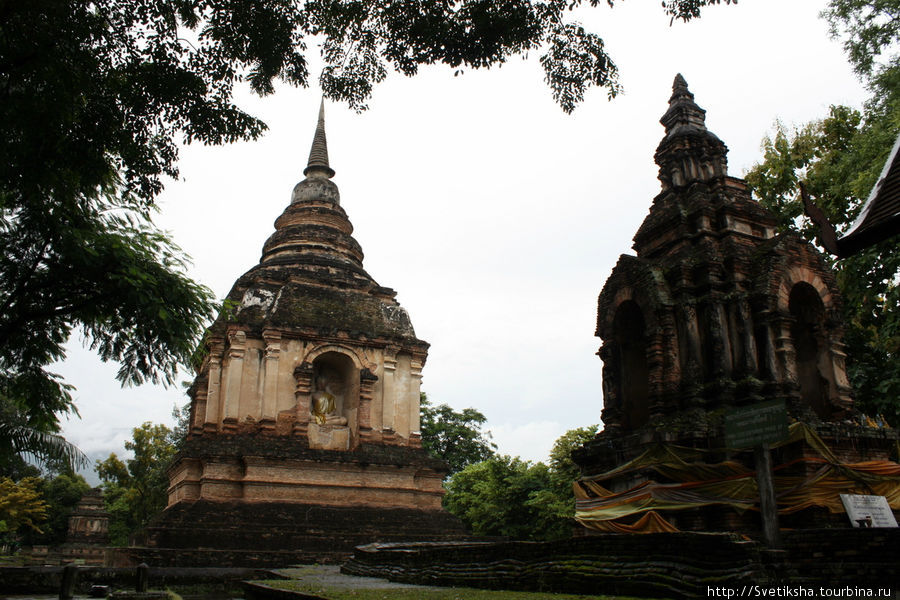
679,87
318,154
683,111
689,152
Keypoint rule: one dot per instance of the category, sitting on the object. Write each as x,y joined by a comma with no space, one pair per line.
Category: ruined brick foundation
663,565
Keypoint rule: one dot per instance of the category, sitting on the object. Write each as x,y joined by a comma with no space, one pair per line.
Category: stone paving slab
331,576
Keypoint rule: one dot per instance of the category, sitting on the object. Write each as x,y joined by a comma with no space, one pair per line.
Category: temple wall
184,481
334,484
253,380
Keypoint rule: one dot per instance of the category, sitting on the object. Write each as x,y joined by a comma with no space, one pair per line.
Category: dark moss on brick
657,565
247,534
297,448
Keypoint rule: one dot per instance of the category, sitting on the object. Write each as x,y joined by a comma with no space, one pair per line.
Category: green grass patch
205,591
419,593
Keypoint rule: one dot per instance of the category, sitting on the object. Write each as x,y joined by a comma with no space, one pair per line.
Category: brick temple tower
716,310
304,423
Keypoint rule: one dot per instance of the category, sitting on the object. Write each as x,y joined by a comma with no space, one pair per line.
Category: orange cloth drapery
728,483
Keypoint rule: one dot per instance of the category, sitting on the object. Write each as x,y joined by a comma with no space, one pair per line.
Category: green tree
22,437
179,433
839,159
870,31
454,436
563,468
17,468
21,508
136,489
61,493
109,273
492,497
555,504
557,501
510,497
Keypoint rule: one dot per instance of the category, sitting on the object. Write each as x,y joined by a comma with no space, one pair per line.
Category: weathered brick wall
204,533
658,565
841,557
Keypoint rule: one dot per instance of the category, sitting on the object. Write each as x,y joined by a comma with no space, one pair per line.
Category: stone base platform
661,565
279,469
272,534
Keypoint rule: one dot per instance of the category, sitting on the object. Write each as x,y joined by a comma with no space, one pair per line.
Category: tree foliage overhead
839,158
870,31
455,436
363,40
24,438
88,113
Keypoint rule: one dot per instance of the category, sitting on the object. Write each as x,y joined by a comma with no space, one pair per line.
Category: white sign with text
868,511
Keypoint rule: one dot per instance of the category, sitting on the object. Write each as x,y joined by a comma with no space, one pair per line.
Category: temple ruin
718,310
304,422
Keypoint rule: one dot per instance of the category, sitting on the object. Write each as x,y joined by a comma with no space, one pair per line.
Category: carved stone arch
800,301
358,360
789,260
640,347
633,279
815,374
631,369
802,274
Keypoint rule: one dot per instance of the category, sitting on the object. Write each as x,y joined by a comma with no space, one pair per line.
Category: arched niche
813,366
354,356
631,367
338,374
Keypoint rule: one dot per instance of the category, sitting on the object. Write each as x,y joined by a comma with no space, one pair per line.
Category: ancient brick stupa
88,533
304,425
716,311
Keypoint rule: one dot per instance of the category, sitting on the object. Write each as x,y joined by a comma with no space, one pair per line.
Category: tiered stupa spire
318,154
689,152
698,198
313,259
683,112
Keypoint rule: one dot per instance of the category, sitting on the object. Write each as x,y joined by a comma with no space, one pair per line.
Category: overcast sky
495,216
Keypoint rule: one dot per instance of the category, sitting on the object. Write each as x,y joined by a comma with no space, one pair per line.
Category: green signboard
757,424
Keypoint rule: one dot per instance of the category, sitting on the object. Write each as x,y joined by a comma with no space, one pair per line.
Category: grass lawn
341,592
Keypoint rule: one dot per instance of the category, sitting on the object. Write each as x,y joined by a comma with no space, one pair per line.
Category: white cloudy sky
495,216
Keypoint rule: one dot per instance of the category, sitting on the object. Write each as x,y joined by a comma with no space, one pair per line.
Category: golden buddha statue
324,407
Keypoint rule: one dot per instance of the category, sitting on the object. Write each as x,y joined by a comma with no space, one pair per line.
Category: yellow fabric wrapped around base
698,484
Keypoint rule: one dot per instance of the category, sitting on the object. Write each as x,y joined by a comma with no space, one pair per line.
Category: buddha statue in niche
324,404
